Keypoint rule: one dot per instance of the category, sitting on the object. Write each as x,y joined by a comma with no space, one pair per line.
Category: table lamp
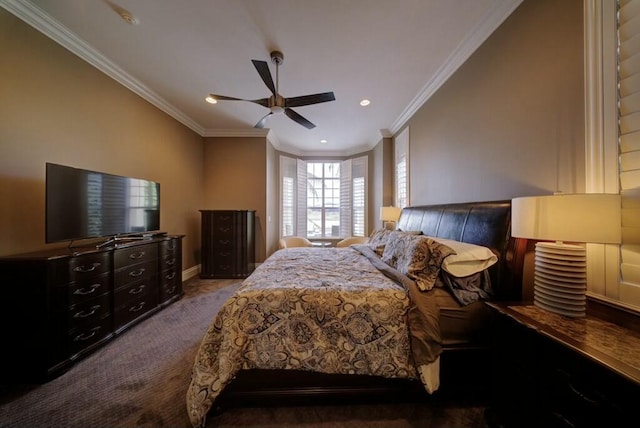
390,215
560,269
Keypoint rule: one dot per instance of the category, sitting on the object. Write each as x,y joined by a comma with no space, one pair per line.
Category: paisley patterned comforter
325,310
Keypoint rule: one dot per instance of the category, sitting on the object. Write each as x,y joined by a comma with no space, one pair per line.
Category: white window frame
401,169
601,147
351,170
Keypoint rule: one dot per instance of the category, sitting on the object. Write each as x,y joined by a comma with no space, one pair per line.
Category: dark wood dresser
555,371
228,243
59,305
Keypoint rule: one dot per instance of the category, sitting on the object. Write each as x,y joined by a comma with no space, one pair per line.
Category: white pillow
469,258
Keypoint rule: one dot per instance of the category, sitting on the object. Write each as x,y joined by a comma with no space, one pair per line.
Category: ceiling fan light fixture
276,109
365,102
211,100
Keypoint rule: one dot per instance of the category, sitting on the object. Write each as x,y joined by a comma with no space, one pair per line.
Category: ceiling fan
276,102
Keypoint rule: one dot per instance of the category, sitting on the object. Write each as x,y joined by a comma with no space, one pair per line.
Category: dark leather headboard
481,223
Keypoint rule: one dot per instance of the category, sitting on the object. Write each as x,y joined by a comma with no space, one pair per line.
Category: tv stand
59,305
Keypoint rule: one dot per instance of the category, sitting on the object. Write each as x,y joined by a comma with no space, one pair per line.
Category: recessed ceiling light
211,100
365,102
323,141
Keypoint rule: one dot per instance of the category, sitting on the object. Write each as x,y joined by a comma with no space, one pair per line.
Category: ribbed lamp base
560,278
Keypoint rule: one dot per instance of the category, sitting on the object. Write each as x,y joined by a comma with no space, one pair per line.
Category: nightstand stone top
604,342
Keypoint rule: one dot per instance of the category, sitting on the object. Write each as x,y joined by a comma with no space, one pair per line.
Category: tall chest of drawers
59,305
228,243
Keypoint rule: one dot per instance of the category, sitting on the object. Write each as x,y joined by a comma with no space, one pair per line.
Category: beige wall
273,200
54,107
510,122
236,179
380,181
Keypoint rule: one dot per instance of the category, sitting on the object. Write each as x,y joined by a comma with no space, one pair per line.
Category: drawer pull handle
137,290
581,394
137,307
138,272
86,336
86,290
138,255
171,290
224,229
224,241
86,269
170,276
85,314
171,262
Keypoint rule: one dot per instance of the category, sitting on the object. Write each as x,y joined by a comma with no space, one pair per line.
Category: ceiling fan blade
263,101
263,121
305,100
263,71
296,117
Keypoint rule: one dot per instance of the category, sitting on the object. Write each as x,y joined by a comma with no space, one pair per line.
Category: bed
365,319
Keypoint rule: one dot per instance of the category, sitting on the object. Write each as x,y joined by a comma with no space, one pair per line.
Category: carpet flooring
140,380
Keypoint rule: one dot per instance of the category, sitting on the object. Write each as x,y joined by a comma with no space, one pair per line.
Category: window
288,174
401,159
609,63
323,198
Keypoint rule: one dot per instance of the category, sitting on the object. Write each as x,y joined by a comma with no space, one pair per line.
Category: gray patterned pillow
378,239
416,256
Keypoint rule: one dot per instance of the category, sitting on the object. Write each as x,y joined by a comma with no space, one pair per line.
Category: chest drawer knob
137,307
88,335
138,255
87,290
170,276
85,314
137,272
86,269
137,290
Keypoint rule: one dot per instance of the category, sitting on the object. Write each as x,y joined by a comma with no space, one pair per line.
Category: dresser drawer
89,288
88,266
125,295
134,309
168,246
137,254
90,334
89,312
169,284
168,261
129,274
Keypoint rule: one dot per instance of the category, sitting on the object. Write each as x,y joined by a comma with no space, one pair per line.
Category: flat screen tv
83,204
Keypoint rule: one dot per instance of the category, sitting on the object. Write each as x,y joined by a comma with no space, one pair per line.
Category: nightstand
554,371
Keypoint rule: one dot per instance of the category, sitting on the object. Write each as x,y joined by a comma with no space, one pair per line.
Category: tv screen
82,204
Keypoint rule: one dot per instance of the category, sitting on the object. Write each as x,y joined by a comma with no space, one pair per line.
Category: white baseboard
190,273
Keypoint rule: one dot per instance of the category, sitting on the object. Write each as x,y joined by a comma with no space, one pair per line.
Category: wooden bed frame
462,374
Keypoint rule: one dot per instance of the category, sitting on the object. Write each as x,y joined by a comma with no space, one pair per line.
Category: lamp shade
588,217
390,213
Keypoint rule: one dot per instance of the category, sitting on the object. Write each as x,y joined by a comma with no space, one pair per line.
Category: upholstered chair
294,241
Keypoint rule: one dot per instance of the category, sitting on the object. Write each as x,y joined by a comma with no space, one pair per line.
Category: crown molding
238,132
492,20
38,19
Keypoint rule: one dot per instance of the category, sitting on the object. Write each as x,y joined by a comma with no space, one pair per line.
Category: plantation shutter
359,196
288,175
345,198
629,137
402,169
301,216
